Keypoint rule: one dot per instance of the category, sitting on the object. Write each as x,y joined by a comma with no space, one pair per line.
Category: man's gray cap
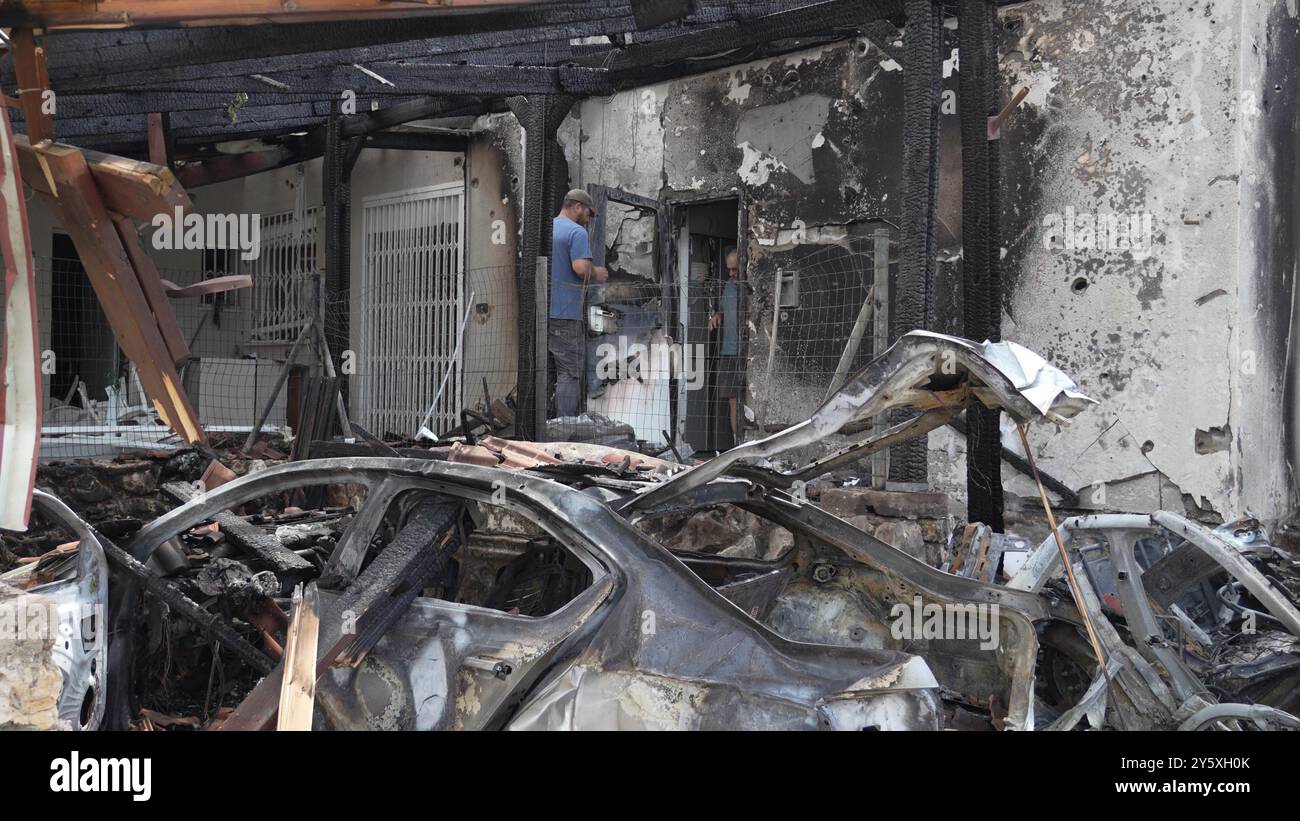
578,195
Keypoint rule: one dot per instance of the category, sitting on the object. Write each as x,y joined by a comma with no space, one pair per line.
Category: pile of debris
493,583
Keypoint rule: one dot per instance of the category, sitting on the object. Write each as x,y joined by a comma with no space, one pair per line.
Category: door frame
675,250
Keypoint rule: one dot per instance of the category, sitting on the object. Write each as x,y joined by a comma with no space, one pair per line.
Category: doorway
85,350
713,309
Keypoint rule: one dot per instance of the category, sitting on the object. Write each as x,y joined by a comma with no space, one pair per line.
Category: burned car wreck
510,585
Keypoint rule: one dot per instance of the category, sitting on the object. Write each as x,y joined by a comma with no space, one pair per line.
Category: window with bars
284,275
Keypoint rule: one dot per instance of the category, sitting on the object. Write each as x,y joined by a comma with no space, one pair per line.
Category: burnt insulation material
981,278
922,88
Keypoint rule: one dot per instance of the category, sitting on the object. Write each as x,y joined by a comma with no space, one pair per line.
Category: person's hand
601,274
715,322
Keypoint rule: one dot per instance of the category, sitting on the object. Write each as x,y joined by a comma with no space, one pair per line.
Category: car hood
931,373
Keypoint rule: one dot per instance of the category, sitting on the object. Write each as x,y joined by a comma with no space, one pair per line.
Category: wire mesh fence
94,403
424,349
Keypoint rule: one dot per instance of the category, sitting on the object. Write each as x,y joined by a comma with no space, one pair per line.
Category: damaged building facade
1147,231
893,312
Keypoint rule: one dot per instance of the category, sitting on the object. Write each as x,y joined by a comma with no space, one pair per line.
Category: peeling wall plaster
1143,108
1177,118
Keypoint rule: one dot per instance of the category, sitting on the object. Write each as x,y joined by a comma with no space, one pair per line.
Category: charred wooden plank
298,684
216,628
374,602
418,552
265,546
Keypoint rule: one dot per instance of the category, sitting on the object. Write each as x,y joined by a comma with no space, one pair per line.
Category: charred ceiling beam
80,53
540,117
922,86
234,166
981,247
422,108
633,78
324,88
235,124
417,141
224,167
131,141
381,78
812,19
102,14
254,120
101,60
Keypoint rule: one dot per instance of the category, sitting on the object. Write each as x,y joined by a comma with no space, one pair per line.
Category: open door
632,363
932,373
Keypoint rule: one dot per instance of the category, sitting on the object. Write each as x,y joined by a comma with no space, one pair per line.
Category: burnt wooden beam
423,108
216,629
922,86
235,166
540,117
86,53
806,20
1022,466
981,281
414,141
154,52
341,152
103,14
376,600
322,88
264,546
655,73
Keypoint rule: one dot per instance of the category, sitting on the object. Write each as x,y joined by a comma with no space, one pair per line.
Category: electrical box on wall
789,288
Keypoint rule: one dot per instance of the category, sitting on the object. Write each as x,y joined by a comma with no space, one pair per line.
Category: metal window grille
412,305
284,275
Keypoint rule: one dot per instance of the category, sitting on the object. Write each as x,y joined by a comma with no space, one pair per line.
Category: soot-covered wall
1148,227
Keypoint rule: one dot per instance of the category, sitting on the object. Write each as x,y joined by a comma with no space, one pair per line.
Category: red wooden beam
33,81
120,289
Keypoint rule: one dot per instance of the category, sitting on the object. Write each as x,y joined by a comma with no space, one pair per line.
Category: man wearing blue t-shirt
571,272
730,377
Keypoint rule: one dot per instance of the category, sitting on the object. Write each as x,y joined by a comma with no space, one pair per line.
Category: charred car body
580,617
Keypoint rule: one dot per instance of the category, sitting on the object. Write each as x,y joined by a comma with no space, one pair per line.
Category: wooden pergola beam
139,190
33,77
108,248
